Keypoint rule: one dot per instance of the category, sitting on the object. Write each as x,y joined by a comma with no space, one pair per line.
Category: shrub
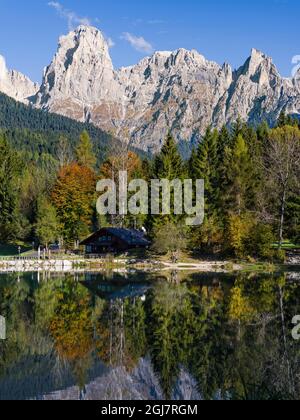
279,256
260,241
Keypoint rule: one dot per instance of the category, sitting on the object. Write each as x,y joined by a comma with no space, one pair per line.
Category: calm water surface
141,336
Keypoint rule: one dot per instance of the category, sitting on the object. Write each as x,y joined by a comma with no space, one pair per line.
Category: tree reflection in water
231,335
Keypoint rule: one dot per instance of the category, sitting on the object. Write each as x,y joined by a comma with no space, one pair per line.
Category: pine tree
238,128
293,217
84,152
281,122
286,120
239,190
263,131
9,201
191,163
224,146
168,164
224,142
205,167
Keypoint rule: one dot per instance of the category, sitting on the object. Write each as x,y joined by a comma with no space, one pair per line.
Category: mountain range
179,91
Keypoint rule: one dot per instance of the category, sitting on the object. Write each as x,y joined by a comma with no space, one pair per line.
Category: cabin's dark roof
130,236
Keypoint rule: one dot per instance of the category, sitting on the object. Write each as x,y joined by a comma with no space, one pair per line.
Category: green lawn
287,245
9,250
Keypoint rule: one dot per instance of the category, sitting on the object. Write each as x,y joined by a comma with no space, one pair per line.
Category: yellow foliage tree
238,230
240,308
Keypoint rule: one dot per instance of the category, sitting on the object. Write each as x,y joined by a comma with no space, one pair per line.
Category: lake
169,335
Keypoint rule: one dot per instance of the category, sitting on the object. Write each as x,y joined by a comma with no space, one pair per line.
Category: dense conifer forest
38,132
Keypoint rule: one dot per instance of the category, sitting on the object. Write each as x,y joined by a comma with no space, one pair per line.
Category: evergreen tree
281,119
239,193
293,217
84,152
9,192
238,128
262,132
191,163
224,146
224,142
251,139
168,164
286,120
205,167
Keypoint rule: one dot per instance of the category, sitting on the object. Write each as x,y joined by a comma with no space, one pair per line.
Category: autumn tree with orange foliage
72,330
74,198
127,161
122,160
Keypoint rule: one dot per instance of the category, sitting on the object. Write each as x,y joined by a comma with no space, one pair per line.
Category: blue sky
222,30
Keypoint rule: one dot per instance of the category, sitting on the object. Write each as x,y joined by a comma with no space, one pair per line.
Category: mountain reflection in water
142,336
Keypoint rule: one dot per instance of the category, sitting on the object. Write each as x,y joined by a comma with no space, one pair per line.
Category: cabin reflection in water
115,289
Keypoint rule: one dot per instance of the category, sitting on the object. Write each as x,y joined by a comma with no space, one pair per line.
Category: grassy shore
287,246
142,259
12,250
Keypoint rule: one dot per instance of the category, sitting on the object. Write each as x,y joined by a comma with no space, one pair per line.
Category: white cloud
74,20
71,17
138,43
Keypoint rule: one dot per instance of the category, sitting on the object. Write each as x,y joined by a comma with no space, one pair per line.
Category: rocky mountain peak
80,75
3,69
256,61
180,91
257,56
85,42
15,84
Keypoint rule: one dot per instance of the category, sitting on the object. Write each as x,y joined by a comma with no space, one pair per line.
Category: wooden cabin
114,240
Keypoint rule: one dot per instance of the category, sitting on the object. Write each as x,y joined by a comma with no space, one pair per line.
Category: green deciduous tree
238,229
47,225
282,169
169,238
